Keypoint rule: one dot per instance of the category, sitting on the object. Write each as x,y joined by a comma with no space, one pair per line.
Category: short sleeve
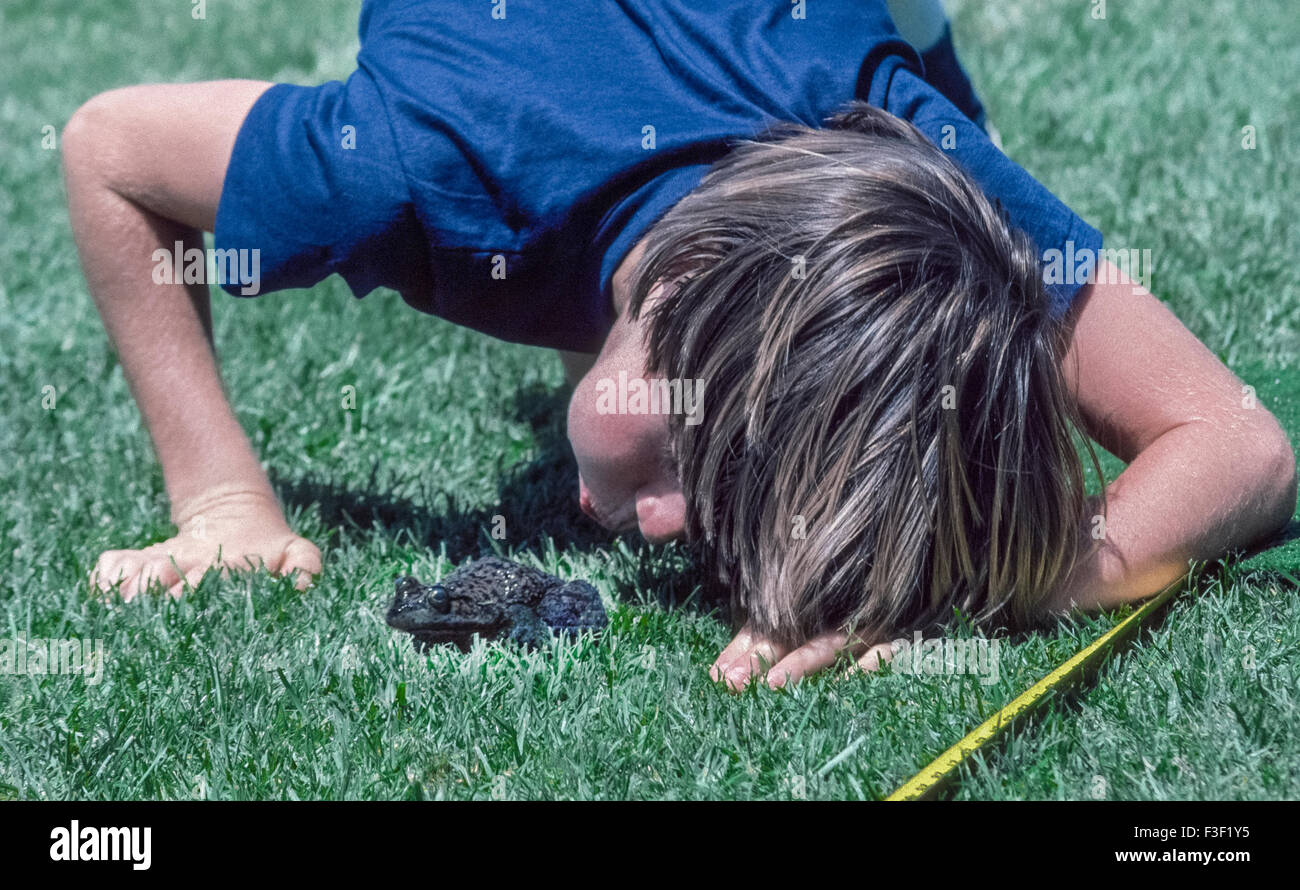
314,185
1028,205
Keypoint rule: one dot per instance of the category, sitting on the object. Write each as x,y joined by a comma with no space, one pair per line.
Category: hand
228,530
752,654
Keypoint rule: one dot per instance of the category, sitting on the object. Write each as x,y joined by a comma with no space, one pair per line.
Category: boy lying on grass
781,206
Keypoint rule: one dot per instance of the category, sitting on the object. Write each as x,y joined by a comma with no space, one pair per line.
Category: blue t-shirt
495,171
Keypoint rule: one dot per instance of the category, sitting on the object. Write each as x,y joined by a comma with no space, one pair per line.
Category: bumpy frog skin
494,598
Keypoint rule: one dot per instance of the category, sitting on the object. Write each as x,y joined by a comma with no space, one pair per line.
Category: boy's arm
1209,471
144,168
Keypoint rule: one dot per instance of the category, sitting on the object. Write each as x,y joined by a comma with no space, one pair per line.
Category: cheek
606,441
585,431
616,453
598,442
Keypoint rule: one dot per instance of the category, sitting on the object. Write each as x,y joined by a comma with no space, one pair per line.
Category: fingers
877,655
132,572
112,571
112,567
189,582
739,645
815,655
748,655
303,557
158,569
149,571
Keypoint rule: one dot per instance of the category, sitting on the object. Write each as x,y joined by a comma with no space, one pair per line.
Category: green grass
246,689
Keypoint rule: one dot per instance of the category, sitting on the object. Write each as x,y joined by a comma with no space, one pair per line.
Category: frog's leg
573,607
526,628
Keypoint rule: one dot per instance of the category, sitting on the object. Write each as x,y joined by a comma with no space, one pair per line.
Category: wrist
224,499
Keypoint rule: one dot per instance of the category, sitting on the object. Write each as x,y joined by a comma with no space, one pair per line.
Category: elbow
1287,485
84,135
1275,463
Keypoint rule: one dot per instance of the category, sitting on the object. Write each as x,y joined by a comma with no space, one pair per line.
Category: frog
495,599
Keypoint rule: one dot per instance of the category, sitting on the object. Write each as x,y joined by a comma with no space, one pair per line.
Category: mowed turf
247,689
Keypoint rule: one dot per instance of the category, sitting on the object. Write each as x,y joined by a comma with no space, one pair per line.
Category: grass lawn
247,689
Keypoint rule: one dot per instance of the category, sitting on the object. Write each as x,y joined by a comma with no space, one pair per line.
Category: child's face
625,478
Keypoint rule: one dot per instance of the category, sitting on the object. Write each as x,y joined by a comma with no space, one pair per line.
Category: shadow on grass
1290,532
537,498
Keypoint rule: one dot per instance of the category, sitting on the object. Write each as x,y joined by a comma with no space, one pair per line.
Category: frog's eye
440,601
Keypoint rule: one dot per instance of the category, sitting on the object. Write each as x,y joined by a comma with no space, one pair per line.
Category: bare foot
234,531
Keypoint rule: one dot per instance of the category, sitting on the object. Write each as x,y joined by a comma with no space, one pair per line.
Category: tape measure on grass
930,780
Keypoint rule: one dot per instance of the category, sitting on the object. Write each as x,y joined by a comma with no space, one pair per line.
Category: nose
661,514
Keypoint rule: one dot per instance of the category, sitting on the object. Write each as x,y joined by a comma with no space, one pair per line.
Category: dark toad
494,598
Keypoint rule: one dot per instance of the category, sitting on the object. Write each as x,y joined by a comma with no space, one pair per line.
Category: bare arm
144,167
1209,471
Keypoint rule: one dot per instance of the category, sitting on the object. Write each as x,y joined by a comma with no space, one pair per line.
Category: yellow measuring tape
928,782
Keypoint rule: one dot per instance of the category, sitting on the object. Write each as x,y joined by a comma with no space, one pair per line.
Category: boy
889,369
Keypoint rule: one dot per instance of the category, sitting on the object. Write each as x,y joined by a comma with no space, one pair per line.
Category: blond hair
887,434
